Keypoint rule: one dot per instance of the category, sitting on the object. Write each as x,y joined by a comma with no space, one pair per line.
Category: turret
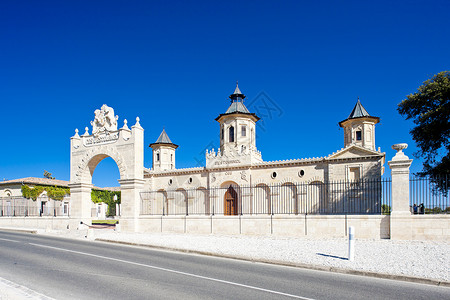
163,153
237,125
237,134
359,128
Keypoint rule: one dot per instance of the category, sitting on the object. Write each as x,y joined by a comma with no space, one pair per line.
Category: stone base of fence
316,226
46,223
396,227
420,227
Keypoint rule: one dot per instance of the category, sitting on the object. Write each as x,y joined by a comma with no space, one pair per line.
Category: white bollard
351,243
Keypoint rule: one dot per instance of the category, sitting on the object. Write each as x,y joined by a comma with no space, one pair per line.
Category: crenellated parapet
228,157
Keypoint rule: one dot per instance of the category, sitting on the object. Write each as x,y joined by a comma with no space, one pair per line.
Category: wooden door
230,202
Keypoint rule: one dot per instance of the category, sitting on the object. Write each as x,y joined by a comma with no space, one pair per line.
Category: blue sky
174,63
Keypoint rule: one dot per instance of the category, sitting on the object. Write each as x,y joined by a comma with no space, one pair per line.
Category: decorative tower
163,153
237,134
359,128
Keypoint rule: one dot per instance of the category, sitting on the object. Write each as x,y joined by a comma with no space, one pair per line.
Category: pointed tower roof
359,112
163,140
237,95
237,105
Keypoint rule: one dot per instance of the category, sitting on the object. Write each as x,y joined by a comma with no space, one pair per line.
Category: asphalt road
72,269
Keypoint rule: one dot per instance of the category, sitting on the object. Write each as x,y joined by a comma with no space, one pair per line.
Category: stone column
130,203
401,220
80,204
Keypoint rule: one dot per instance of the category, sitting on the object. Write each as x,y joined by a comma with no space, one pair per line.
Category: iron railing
339,197
429,195
23,207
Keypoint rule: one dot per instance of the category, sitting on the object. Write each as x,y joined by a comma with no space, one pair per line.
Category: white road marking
176,272
10,240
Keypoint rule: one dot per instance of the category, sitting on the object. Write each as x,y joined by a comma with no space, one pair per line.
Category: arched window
231,134
157,156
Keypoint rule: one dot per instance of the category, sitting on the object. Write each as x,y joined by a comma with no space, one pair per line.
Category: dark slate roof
163,138
358,111
237,107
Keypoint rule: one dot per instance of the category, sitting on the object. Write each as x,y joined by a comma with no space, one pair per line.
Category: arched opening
316,196
231,198
105,193
177,202
160,204
231,135
106,173
262,203
289,203
7,193
203,200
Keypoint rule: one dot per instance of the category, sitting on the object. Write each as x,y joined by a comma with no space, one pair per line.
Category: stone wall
430,227
316,226
47,223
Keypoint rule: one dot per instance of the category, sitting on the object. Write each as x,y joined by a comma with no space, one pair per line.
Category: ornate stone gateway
126,147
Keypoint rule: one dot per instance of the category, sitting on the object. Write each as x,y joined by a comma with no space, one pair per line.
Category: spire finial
237,95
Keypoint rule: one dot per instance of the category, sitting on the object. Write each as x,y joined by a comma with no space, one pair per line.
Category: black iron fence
340,197
429,195
23,207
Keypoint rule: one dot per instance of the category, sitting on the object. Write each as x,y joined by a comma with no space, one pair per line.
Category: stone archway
126,147
231,198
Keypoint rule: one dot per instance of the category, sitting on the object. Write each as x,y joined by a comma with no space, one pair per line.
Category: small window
354,174
301,173
231,134
190,180
157,156
244,131
170,181
274,175
171,157
358,135
221,133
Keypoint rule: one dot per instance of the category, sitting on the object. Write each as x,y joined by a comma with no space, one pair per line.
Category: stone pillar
130,203
401,219
80,204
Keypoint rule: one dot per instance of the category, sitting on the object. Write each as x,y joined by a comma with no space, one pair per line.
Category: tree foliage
429,108
48,175
98,196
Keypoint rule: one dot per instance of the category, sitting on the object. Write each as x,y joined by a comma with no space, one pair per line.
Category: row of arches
232,199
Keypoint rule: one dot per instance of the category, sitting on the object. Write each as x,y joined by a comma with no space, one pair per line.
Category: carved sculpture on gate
104,120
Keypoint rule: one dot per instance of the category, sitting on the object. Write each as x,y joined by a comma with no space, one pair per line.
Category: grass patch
105,222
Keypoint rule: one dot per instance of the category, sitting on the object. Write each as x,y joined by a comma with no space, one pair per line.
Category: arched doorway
230,202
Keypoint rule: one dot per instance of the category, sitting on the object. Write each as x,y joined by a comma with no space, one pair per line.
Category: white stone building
12,202
237,180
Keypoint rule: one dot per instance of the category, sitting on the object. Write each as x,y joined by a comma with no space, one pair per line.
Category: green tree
429,108
48,175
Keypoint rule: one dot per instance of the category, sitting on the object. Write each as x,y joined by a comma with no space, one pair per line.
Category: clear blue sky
174,63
